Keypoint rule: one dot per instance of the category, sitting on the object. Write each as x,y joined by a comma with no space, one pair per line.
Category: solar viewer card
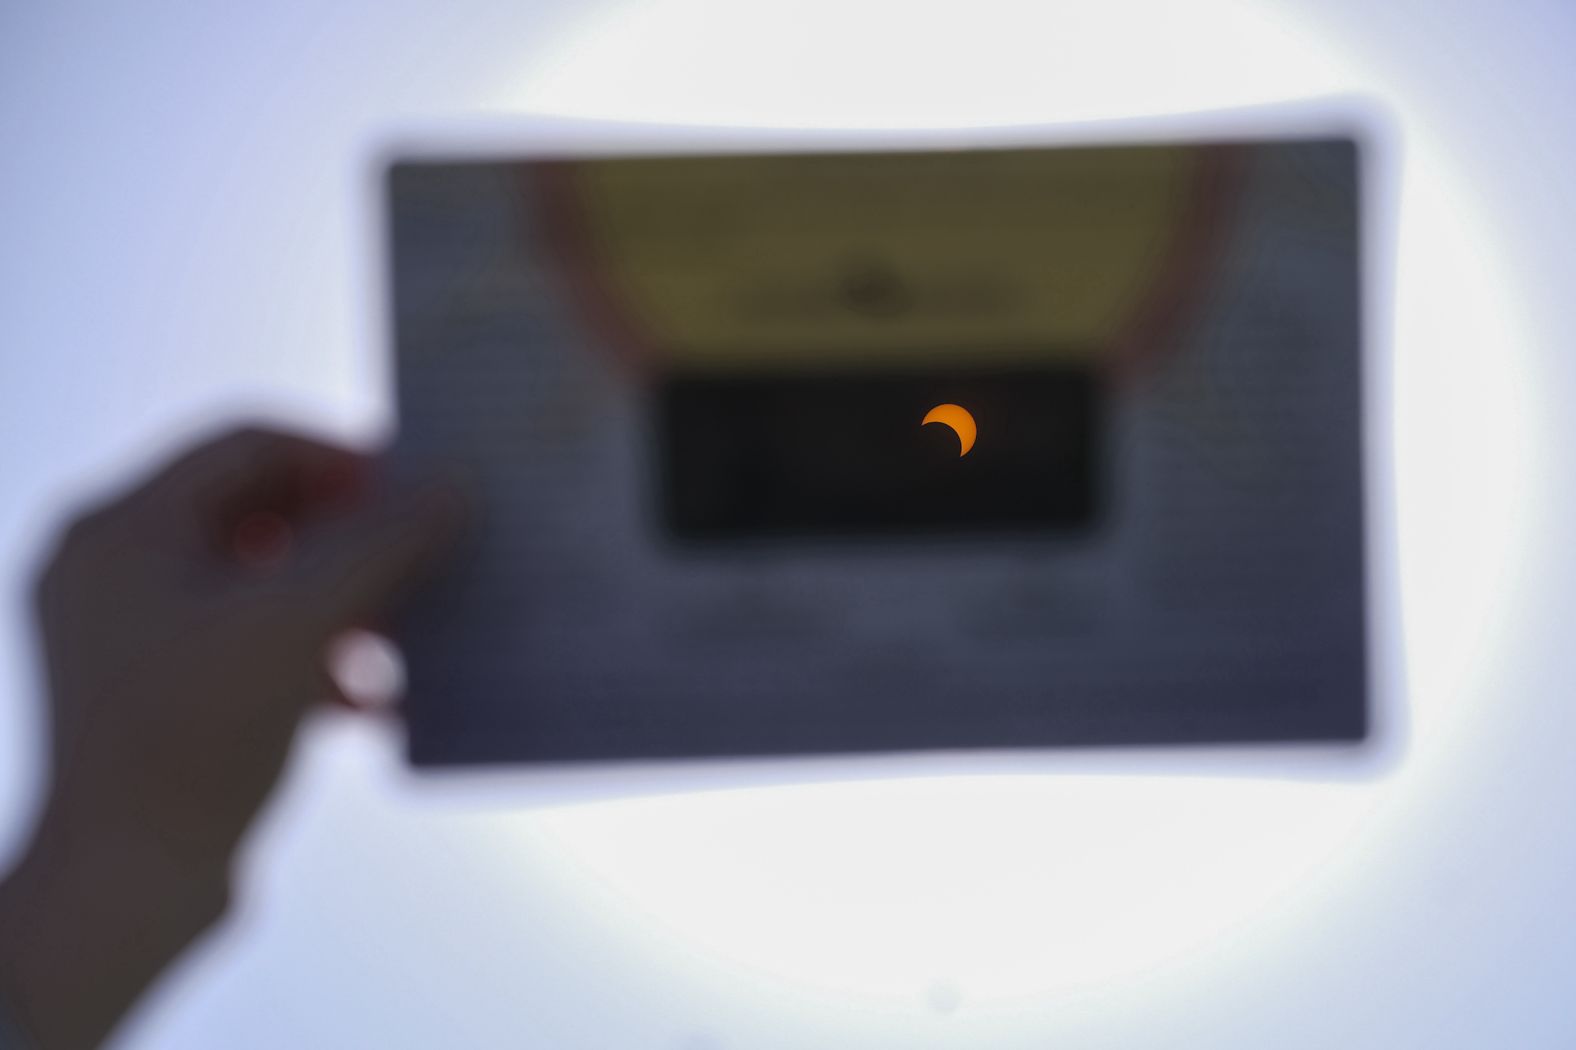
791,453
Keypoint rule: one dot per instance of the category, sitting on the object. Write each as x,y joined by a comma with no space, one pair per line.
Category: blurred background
188,231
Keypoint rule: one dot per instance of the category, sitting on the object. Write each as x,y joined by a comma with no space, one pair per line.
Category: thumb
356,566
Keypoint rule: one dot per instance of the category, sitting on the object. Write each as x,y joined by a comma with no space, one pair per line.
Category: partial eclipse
957,417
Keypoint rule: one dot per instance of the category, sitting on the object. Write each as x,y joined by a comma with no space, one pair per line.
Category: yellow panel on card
880,259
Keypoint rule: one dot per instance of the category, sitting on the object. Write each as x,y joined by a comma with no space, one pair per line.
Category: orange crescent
957,417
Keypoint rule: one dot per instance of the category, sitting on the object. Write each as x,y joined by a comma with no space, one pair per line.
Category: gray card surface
824,452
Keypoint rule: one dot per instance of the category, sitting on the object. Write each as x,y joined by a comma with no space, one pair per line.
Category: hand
184,629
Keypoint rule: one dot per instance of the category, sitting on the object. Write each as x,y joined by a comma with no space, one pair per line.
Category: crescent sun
958,418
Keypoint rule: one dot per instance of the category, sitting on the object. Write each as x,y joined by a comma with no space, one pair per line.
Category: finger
352,570
250,470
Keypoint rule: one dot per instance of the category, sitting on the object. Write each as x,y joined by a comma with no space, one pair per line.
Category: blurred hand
185,627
